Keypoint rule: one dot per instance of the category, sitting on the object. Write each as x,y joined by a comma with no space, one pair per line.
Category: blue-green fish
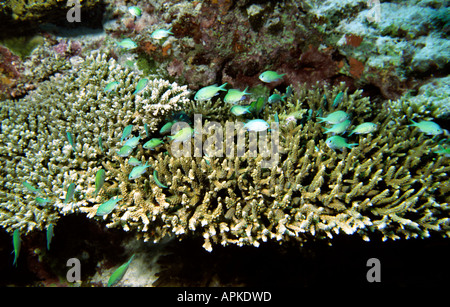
364,128
427,127
337,142
140,86
108,206
158,183
49,235
133,142
258,105
111,86
208,92
147,131
182,135
234,96
270,76
99,180
138,171
70,139
70,192
126,132
339,128
100,143
161,33
119,273
124,151
16,244
166,128
443,151
153,143
338,99
127,44
274,98
256,125
134,162
275,116
30,187
334,118
240,110
42,201
135,11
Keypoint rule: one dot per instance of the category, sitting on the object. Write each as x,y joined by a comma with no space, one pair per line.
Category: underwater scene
224,143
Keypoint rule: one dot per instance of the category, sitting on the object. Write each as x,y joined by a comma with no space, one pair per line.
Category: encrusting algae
391,180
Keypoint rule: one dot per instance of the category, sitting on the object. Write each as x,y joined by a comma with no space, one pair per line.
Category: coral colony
127,130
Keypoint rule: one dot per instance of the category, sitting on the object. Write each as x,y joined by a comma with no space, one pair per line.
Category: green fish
158,183
135,11
126,132
182,135
134,162
337,142
240,110
30,187
147,132
209,91
443,151
166,128
153,143
138,171
274,98
119,273
338,99
161,33
16,243
127,44
339,128
364,128
234,96
124,151
133,142
334,118
99,180
42,201
288,92
111,86
140,86
49,235
270,76
427,127
100,144
70,139
258,105
108,206
70,192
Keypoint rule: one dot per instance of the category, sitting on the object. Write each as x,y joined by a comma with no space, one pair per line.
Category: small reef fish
100,144
111,86
270,76
119,273
258,105
288,92
182,135
135,11
124,151
240,110
158,183
364,128
208,92
427,127
334,118
70,192
49,235
153,143
256,125
234,96
166,128
339,128
42,201
126,132
443,151
108,206
274,98
338,99
30,187
161,33
147,132
138,171
133,142
337,142
70,139
134,162
99,180
140,86
16,244
127,44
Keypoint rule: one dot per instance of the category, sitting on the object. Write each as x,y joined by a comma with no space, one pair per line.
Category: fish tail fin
322,119
351,145
222,87
413,123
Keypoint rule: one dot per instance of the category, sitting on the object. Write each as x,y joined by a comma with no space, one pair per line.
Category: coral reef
34,145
